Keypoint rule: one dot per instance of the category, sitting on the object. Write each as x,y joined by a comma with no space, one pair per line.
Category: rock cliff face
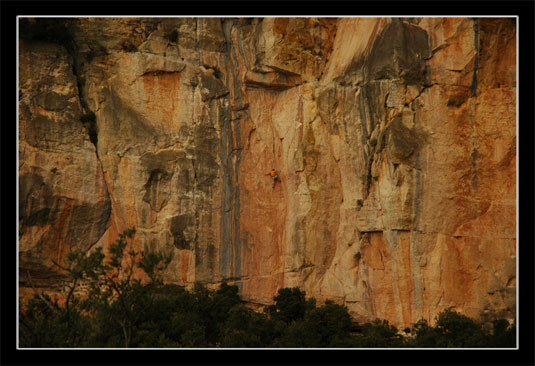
395,140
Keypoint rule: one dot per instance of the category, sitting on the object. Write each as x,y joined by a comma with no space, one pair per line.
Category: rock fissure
473,87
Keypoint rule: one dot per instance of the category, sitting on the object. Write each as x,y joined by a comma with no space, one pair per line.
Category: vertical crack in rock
230,264
204,170
197,219
237,150
473,157
92,130
62,191
473,87
226,197
226,162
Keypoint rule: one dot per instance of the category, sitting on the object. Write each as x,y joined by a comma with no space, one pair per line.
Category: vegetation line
122,307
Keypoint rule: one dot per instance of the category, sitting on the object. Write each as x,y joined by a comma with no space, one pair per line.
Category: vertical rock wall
395,140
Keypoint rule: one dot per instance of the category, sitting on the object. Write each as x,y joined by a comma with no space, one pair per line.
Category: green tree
426,336
44,323
246,328
308,326
458,330
116,303
333,324
47,324
503,334
453,330
115,295
299,334
290,305
379,334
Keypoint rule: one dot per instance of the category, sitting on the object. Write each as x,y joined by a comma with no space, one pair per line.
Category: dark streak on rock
160,72
230,252
177,227
155,194
473,163
399,52
473,87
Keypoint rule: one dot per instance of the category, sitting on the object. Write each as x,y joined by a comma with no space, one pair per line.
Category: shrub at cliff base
454,330
119,310
379,334
326,326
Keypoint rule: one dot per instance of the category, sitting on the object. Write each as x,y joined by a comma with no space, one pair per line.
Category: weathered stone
63,199
399,52
394,140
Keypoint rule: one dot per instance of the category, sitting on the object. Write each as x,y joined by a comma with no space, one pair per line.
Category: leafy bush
503,334
246,328
332,322
46,324
379,334
326,326
454,330
458,330
290,305
299,334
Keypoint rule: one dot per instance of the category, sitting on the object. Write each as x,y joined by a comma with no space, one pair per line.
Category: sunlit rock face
394,140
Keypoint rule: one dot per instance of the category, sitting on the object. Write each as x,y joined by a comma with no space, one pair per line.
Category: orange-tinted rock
63,199
394,140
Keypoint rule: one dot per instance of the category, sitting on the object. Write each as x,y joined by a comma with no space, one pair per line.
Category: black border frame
525,10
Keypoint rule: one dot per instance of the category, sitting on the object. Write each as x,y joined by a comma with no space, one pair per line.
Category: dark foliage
119,310
454,330
290,305
326,326
379,334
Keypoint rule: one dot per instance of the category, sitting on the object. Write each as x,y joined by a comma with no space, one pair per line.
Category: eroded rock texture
395,140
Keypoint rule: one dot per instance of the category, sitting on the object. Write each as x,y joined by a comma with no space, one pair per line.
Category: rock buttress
395,140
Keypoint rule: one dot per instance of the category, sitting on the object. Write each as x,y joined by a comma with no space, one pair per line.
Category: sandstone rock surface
395,139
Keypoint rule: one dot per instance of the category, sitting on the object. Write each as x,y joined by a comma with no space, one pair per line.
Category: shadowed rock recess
394,139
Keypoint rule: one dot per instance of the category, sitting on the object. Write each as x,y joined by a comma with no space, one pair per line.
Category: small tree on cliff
44,323
116,295
116,300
